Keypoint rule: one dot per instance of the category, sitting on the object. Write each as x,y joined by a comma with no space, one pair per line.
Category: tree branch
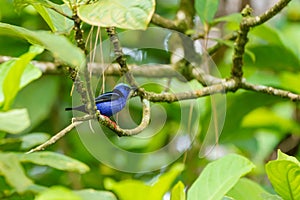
226,86
165,23
121,59
270,90
104,121
245,25
129,132
254,21
56,137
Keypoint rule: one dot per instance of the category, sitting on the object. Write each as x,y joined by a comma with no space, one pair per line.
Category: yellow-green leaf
14,121
134,14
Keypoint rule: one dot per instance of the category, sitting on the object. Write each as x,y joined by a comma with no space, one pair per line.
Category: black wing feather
109,96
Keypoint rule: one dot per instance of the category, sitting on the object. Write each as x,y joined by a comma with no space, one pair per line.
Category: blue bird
110,103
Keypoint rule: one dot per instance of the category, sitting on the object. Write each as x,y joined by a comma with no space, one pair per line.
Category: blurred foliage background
256,125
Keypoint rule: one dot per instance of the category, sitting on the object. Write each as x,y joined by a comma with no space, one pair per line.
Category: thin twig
219,44
56,137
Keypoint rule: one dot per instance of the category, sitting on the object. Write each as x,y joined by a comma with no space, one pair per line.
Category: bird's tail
79,108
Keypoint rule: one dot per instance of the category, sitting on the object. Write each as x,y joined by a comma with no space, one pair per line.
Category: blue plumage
110,103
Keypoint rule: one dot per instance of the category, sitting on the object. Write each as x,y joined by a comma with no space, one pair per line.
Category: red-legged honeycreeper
110,103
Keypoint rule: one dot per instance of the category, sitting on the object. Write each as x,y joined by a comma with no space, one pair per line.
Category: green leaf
247,189
33,139
164,181
264,118
271,197
206,9
178,192
284,176
219,177
20,4
289,81
14,121
55,160
231,45
235,17
58,193
134,189
90,194
236,111
129,189
283,156
272,57
30,73
134,14
13,172
290,37
45,102
60,46
265,34
56,21
12,80
10,144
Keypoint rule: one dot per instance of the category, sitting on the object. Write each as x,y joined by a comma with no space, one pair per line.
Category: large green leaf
129,189
134,14
13,172
276,49
12,79
57,193
30,73
90,194
14,121
284,174
283,156
265,118
290,81
290,37
33,139
31,96
54,160
56,21
135,189
271,197
60,46
219,177
272,57
206,9
236,111
10,144
265,34
246,189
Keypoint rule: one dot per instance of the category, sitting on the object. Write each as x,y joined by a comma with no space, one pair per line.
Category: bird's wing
109,96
